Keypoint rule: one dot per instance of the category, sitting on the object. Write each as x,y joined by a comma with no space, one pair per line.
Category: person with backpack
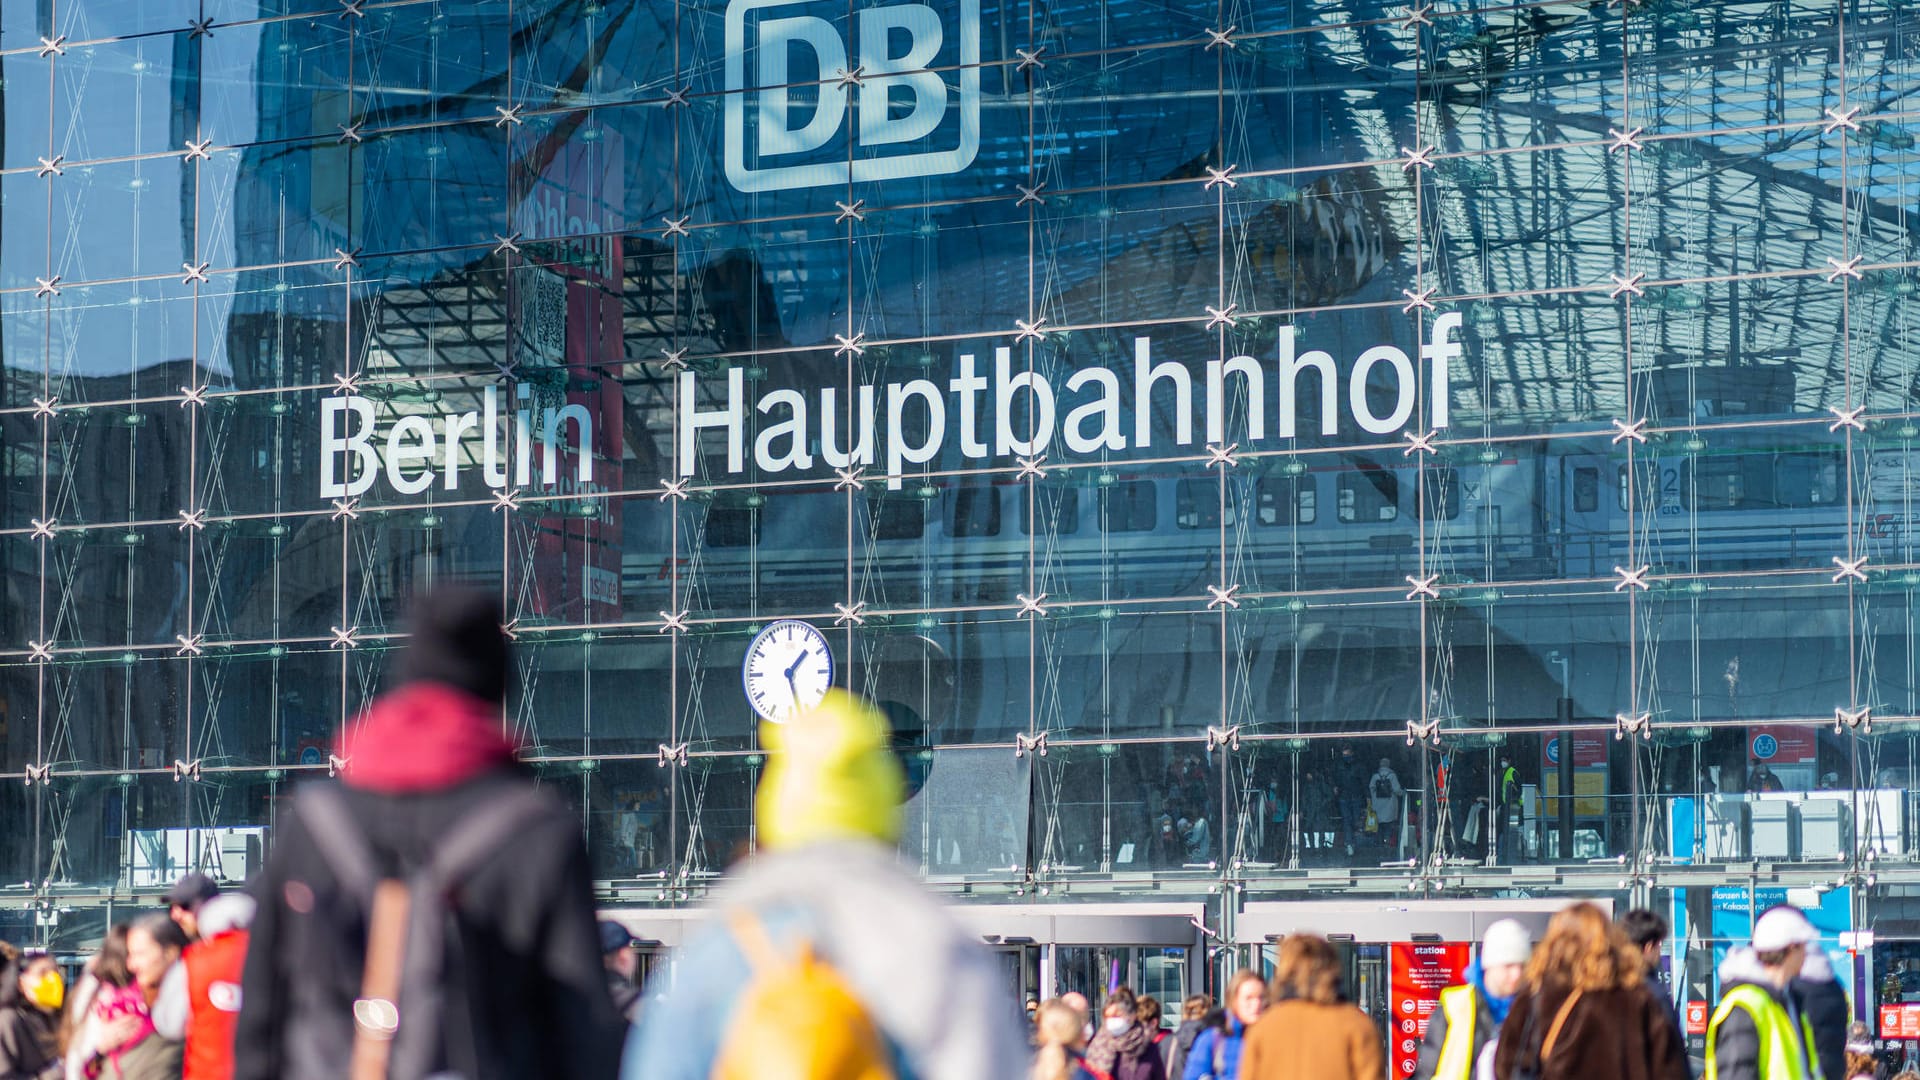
1383,798
431,913
1216,1052
1193,1020
824,957
1122,1048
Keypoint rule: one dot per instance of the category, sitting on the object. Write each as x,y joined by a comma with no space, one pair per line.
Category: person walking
1193,1020
1060,1029
1585,1010
1758,1032
185,898
1468,1016
31,993
1216,1052
824,949
1350,794
1122,1049
431,802
1384,794
1152,1017
1819,997
1647,931
213,966
622,964
1308,1031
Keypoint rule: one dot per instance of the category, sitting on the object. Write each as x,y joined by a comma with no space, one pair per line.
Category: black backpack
1382,787
399,1019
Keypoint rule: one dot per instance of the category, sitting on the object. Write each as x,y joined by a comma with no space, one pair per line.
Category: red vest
213,995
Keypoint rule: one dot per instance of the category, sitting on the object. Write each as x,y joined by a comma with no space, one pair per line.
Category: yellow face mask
49,991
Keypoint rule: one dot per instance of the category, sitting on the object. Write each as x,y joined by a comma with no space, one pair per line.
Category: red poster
1900,1021
1420,971
1589,751
1697,1017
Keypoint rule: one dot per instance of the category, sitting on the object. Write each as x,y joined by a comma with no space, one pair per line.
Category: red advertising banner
1901,1021
1697,1013
1420,971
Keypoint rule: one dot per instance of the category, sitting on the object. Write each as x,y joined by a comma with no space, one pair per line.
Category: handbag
1521,1069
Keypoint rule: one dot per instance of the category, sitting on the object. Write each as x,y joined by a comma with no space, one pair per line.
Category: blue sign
1553,751
1765,746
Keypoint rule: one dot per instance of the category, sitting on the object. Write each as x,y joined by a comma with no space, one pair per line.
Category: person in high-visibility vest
1757,1032
1469,1015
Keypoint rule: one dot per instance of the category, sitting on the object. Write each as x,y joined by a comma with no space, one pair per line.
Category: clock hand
804,653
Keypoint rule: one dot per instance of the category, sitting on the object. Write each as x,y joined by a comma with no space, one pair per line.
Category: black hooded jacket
525,992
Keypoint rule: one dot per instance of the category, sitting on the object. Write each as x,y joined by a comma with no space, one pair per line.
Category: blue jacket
1200,1058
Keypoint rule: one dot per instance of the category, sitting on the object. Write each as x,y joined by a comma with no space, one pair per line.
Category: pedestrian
1468,1016
1383,798
31,993
1122,1049
622,964
1585,1010
1350,793
1216,1052
1819,998
353,921
1193,1020
114,1019
1861,1066
1757,1032
131,1042
1309,1031
1060,1031
185,898
1647,931
213,969
1153,1018
824,949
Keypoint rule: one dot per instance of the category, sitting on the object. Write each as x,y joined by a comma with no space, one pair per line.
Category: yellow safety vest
1783,1054
1461,1006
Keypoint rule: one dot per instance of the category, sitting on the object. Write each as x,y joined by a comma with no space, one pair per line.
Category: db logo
784,116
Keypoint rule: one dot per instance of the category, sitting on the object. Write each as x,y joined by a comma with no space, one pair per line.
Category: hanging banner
1782,744
1421,970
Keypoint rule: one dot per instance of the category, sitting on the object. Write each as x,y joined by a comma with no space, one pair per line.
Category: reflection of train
1552,508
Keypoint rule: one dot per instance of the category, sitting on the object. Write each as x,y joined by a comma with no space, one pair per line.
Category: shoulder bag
1523,1070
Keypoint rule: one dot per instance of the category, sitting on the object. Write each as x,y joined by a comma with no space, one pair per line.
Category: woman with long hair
1216,1053
31,992
1309,1030
1586,1010
1061,1031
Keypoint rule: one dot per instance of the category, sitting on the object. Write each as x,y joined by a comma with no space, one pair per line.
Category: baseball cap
613,937
191,891
1782,928
1505,942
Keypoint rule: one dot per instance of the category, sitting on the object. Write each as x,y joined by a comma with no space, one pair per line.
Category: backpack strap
755,943
344,847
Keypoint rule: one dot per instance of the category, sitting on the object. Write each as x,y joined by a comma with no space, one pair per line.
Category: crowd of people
431,915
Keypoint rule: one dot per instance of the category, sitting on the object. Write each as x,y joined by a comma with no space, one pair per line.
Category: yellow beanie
829,775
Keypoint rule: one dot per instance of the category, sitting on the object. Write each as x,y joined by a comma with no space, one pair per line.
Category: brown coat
1618,1034
1301,1040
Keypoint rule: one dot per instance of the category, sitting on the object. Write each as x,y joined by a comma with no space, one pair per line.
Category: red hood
423,737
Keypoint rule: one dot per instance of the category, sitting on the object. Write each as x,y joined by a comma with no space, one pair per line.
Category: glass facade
1152,402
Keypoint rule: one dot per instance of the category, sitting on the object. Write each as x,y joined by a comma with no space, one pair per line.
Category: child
118,1008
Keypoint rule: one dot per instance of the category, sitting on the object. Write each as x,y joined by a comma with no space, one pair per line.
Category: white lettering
1289,375
899,453
969,386
410,440
359,443
1144,376
1039,408
793,429
550,444
1404,387
1256,386
1106,407
863,445
693,421
1439,354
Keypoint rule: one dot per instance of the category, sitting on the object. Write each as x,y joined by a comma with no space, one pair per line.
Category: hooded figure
827,891
429,772
1469,1016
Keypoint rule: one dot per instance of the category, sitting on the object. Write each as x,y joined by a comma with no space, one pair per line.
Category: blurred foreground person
1469,1015
824,957
1193,1020
1586,1010
1308,1032
432,914
1216,1052
1647,931
31,992
1758,1031
1821,1000
1061,1033
622,964
131,1042
212,967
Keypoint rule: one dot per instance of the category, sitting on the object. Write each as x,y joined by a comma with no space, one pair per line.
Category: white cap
1505,942
1782,928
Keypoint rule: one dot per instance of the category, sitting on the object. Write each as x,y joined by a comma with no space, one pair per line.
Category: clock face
788,669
